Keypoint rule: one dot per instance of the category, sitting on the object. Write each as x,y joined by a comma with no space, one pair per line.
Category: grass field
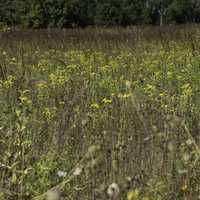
82,109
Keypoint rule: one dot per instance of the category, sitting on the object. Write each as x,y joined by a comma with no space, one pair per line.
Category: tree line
82,13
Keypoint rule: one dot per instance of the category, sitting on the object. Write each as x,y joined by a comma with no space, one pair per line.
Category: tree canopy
73,13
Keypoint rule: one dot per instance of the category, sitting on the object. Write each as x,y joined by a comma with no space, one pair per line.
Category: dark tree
73,13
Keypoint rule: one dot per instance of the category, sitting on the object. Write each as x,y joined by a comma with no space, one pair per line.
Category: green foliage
73,13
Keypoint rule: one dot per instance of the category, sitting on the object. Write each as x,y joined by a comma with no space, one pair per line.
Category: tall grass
82,109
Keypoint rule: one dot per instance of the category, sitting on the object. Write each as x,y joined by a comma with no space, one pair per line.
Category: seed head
113,191
53,195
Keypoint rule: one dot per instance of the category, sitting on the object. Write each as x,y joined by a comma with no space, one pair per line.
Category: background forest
73,13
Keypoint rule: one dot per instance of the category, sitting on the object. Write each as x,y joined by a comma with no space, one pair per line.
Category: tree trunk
161,18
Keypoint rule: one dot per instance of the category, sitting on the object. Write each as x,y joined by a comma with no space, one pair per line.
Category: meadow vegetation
82,109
